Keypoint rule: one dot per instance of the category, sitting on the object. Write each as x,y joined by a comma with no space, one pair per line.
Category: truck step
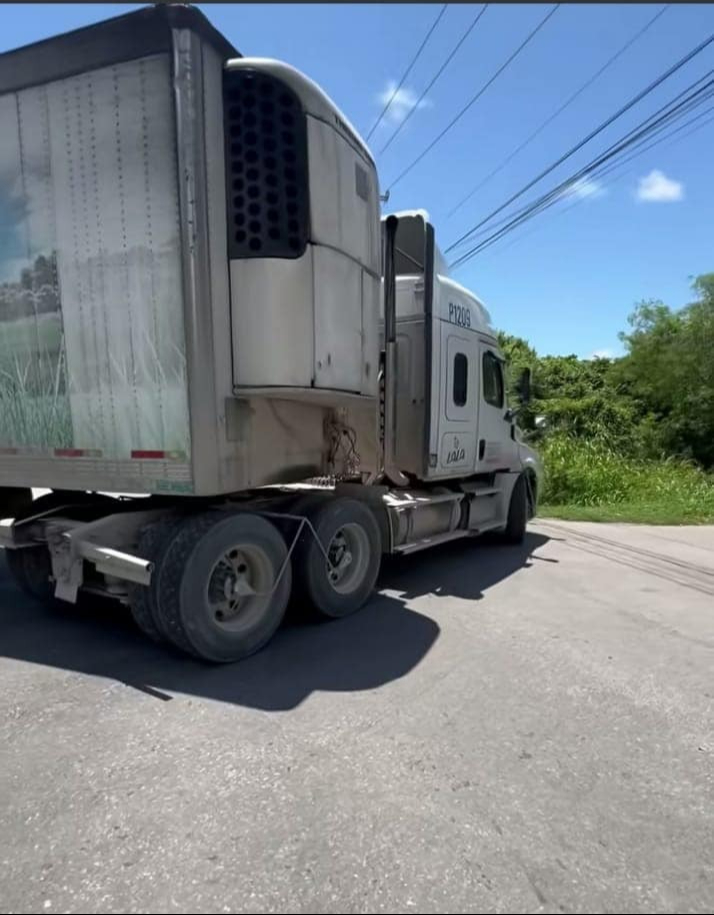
421,501
427,542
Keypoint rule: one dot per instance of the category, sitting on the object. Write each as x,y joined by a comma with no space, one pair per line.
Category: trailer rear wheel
153,543
349,534
31,567
223,585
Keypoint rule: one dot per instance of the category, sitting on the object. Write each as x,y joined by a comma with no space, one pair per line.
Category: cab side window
461,380
492,380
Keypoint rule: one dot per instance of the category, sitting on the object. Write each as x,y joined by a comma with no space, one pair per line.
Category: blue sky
568,279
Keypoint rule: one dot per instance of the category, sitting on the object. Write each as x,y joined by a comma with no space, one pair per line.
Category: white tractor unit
201,306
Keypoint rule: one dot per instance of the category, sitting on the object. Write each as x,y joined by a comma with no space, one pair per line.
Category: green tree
669,371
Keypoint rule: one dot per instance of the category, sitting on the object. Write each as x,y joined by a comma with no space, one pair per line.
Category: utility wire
641,147
635,138
633,101
407,71
618,165
671,133
559,192
645,129
436,77
693,102
476,97
566,104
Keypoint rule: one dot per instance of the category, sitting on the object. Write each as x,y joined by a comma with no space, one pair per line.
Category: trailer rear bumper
72,542
116,563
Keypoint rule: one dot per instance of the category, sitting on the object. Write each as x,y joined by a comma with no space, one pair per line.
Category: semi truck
202,308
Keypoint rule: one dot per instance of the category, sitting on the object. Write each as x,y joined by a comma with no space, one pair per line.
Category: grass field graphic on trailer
92,353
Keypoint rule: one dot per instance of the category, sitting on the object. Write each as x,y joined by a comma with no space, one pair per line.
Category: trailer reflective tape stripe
55,452
30,450
77,452
147,455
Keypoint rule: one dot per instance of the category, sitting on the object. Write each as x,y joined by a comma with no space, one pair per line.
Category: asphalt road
501,730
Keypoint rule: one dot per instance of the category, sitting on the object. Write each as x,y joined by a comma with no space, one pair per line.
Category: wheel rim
348,558
239,587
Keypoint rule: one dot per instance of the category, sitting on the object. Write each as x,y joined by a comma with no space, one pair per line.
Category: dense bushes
588,473
638,430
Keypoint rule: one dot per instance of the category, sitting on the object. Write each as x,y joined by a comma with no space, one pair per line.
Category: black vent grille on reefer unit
266,166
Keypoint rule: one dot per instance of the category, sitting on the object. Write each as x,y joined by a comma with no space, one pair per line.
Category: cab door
459,401
495,444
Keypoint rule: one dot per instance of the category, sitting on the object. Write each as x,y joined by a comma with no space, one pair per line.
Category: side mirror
523,386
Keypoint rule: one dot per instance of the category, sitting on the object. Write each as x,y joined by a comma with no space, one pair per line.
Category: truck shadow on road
381,643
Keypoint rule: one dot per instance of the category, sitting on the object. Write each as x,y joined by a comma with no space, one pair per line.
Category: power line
650,126
633,101
689,104
556,194
476,97
407,71
629,171
645,129
642,146
586,85
671,133
436,76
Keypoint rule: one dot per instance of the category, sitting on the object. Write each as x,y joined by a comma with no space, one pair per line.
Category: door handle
481,448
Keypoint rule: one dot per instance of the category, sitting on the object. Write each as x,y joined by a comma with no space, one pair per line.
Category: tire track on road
676,571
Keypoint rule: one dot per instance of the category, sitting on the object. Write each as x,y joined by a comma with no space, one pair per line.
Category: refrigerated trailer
202,307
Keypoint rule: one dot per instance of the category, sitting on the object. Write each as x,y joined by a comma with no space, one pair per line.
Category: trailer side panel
93,388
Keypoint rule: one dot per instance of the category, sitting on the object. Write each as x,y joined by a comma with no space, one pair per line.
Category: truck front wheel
339,578
223,585
515,529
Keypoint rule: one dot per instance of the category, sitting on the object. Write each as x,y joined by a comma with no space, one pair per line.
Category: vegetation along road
632,438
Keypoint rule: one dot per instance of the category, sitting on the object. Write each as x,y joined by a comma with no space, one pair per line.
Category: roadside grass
625,513
585,480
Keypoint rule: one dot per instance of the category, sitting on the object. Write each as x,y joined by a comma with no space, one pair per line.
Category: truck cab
453,420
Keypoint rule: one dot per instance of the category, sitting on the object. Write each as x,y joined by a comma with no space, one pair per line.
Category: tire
154,541
31,567
515,529
14,501
343,526
207,554
532,488
78,499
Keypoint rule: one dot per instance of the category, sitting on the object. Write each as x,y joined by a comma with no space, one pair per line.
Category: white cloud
604,353
658,188
583,188
402,103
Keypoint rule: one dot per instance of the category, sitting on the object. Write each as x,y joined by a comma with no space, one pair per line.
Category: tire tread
153,543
